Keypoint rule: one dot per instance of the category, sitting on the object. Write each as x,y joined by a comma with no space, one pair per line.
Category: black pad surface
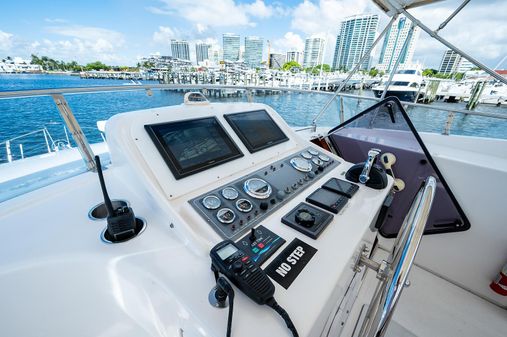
330,201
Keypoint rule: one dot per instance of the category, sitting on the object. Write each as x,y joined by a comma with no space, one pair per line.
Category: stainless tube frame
76,131
434,34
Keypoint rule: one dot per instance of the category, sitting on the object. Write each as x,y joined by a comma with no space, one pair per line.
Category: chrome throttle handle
365,174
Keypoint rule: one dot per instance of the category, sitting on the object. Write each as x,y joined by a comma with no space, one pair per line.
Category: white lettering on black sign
292,260
286,267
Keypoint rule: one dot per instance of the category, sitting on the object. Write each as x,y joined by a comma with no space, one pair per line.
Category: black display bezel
244,138
171,161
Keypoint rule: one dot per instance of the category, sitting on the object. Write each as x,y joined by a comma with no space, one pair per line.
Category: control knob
305,218
237,266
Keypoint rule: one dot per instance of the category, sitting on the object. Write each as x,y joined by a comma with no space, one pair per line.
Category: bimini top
391,6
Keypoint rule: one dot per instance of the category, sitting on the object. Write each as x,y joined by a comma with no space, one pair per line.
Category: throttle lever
368,164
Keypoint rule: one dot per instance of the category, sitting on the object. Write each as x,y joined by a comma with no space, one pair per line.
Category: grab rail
81,141
394,276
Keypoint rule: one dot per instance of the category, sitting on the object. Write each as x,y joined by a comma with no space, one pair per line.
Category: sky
119,32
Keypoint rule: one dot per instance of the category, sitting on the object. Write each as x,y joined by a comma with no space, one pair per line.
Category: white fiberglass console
237,171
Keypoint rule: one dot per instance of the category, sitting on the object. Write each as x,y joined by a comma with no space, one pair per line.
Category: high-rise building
314,52
253,51
357,34
202,52
464,65
452,62
395,38
180,49
231,47
276,61
296,56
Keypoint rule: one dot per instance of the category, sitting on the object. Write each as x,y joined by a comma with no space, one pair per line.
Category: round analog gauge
323,157
257,188
313,152
301,164
226,215
244,205
229,193
211,202
306,155
317,161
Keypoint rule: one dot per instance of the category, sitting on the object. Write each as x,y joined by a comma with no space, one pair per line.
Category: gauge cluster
234,208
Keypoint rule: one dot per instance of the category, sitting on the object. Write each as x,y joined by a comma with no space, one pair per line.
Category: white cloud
311,18
98,40
82,43
5,41
289,42
258,9
164,35
55,20
479,29
216,13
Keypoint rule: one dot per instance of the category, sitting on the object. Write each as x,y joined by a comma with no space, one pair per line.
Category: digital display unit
193,146
256,129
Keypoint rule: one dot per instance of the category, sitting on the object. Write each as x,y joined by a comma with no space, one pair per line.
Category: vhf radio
230,261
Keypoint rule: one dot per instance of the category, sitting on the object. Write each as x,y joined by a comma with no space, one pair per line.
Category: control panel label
288,265
260,244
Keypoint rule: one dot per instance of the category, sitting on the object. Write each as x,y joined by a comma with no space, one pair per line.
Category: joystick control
252,236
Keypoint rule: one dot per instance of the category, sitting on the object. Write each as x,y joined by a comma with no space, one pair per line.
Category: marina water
21,116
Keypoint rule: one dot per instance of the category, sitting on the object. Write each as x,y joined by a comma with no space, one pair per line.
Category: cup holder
99,212
140,227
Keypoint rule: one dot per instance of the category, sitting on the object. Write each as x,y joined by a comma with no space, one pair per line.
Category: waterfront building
253,51
216,55
231,43
452,62
296,56
393,45
166,63
276,61
357,34
314,52
202,52
180,49
464,65
19,65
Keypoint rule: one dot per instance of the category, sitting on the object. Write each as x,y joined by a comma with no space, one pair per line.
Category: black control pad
308,220
341,187
330,201
259,244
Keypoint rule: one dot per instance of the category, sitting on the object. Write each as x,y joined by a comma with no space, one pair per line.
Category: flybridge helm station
237,172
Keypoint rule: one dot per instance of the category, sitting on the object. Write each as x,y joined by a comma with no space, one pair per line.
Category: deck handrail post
76,131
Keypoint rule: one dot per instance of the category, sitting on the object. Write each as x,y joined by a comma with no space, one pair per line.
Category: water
20,116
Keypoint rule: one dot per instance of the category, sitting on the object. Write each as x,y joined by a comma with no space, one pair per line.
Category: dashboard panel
234,208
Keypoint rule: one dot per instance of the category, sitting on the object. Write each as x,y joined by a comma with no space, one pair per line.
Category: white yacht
406,85
219,219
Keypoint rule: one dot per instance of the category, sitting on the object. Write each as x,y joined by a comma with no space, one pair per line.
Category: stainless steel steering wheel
394,272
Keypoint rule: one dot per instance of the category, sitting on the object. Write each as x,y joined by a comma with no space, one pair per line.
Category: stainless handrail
99,89
402,258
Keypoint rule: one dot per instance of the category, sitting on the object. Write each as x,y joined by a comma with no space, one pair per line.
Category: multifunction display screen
256,129
192,146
